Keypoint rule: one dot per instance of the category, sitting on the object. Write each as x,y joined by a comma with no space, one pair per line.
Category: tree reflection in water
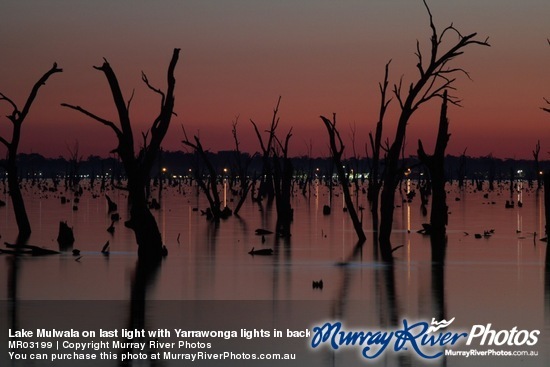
143,279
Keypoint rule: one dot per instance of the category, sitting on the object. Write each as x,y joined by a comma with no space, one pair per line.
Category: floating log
262,252
261,231
28,249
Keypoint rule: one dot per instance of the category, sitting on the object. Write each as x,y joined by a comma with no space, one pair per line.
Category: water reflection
12,268
212,263
338,308
143,280
13,265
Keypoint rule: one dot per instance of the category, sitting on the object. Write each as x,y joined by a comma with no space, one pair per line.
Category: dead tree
242,168
436,167
375,183
492,173
210,189
17,117
266,180
283,172
138,166
354,162
435,76
461,171
74,162
337,149
537,166
306,185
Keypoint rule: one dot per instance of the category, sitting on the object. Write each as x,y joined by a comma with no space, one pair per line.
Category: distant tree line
178,163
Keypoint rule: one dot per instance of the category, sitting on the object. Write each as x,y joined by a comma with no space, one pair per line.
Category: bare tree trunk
142,221
375,184
210,189
242,168
17,118
436,167
537,166
18,203
336,152
461,172
282,183
266,179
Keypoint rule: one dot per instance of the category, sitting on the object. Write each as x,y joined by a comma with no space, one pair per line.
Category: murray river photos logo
428,341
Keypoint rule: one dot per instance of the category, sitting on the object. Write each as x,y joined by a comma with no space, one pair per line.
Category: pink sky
238,56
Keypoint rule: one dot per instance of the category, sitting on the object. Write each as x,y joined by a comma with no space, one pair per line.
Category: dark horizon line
296,156
182,163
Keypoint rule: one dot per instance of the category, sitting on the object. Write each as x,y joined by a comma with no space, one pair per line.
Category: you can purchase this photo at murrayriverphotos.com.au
274,183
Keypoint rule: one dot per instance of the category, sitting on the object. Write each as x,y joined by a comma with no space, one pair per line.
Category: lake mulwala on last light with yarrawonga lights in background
210,281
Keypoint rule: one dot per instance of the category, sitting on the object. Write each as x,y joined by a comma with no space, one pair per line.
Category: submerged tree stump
65,237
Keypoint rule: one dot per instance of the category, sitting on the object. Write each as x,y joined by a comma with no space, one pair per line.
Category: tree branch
433,78
160,126
156,90
264,150
35,88
234,132
120,104
3,97
95,117
333,135
5,142
17,117
130,100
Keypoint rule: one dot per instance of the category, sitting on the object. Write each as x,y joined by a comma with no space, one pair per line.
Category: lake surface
498,279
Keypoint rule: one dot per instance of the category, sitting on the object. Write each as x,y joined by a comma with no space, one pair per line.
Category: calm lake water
498,279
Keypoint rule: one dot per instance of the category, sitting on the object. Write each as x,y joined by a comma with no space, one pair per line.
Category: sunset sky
238,56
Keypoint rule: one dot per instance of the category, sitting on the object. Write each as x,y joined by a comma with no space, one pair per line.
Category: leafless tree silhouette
266,179
337,149
138,167
283,172
536,152
242,165
75,160
210,189
17,117
435,76
375,182
436,169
